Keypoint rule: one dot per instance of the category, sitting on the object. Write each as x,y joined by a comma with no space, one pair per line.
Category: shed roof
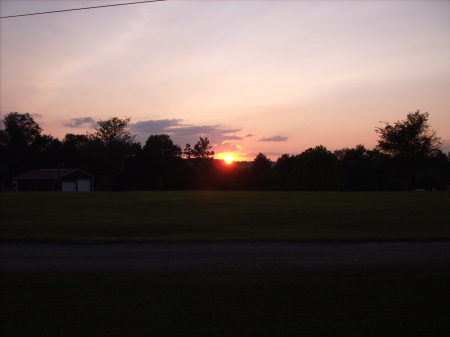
48,174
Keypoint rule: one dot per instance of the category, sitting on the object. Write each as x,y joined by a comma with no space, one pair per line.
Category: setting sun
228,159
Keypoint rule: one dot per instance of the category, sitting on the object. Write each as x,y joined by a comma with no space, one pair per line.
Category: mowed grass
195,304
215,216
225,305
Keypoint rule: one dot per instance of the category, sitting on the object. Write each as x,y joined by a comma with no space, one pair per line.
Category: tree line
407,157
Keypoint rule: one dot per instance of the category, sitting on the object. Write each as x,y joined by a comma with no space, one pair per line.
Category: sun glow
228,159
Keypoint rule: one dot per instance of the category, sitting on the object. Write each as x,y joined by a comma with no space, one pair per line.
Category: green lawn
200,216
234,305
140,304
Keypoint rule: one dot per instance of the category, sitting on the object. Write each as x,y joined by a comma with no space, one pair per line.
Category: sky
253,76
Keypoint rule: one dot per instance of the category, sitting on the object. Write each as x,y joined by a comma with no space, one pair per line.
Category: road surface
279,257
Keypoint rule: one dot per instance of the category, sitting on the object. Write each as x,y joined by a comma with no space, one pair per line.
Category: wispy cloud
273,139
232,137
226,147
183,131
155,126
81,122
249,135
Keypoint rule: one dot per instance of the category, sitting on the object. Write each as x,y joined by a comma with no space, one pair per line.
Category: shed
67,180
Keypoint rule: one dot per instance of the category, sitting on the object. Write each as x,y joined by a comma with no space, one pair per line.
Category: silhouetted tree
159,164
20,129
201,150
409,142
358,169
74,153
161,146
19,133
283,170
114,130
108,149
200,158
261,174
75,142
435,172
384,171
46,152
411,138
317,169
187,152
407,156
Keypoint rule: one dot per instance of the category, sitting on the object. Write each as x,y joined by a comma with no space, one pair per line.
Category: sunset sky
253,76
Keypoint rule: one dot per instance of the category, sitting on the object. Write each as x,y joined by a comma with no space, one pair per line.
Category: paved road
279,257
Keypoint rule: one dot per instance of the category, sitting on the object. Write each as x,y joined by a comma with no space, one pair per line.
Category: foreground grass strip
239,305
199,216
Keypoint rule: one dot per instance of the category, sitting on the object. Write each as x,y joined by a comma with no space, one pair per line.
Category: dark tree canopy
109,149
161,146
410,138
358,168
317,169
261,175
407,157
114,130
20,141
283,169
201,150
74,152
159,164
410,142
261,163
20,130
75,141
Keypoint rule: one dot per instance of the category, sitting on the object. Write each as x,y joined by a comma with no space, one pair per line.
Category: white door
84,185
69,186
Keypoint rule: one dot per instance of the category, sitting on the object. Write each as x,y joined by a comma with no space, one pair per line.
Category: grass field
233,305
193,304
199,216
